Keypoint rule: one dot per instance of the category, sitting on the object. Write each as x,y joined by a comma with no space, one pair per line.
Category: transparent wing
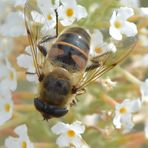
33,35
37,29
106,61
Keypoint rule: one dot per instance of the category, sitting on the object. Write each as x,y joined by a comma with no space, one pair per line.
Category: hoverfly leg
92,66
30,73
42,50
74,102
57,27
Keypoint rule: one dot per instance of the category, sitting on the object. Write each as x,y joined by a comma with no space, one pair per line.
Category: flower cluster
8,83
70,134
22,141
120,26
124,112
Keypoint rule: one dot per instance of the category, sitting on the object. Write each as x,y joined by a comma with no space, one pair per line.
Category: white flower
8,79
97,44
14,25
108,83
69,134
6,109
144,91
124,113
119,24
22,141
5,47
47,17
130,3
26,61
19,3
144,11
69,11
11,78
91,120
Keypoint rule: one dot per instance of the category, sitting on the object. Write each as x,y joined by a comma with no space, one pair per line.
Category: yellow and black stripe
71,49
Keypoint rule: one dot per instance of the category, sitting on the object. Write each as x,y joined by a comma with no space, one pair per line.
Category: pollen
118,24
7,107
69,12
11,75
122,110
98,50
71,133
24,144
49,17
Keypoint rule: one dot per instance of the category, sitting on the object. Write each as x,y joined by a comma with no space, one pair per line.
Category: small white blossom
26,61
108,83
22,141
15,22
70,134
69,11
19,2
6,45
6,109
124,113
91,120
119,23
144,91
47,17
144,11
130,3
8,79
97,44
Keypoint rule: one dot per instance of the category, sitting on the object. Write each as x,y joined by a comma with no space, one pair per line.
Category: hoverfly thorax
55,88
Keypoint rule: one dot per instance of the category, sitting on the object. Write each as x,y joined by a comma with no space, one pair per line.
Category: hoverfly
62,69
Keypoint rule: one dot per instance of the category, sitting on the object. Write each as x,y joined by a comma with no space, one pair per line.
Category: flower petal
24,60
116,121
78,127
21,130
59,128
129,29
81,12
115,33
135,105
124,13
77,142
63,141
68,2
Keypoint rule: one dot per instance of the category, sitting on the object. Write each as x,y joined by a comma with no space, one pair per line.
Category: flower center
49,17
122,110
71,133
118,24
7,107
98,50
24,144
69,12
11,75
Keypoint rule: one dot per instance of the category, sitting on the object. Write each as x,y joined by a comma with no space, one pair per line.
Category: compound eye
49,111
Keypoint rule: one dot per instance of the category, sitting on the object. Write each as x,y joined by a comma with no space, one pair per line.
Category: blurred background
100,131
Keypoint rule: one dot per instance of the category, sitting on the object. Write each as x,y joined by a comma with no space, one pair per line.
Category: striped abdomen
71,49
